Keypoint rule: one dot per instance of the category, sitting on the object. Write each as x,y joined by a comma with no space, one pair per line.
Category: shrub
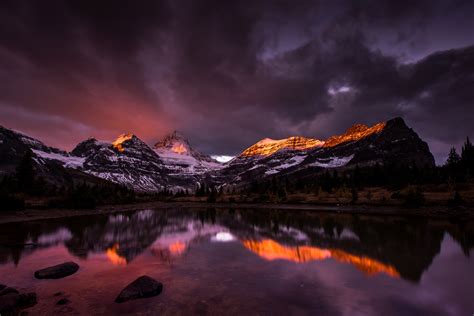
414,198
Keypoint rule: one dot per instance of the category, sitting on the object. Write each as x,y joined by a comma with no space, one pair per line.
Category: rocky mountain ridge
174,165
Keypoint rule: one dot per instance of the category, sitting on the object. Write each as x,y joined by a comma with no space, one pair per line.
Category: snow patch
332,162
291,162
222,158
68,161
186,164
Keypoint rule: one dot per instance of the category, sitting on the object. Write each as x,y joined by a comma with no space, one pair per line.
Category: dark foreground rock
142,287
57,272
11,301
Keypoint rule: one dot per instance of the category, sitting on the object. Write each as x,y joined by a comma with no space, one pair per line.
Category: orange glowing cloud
271,250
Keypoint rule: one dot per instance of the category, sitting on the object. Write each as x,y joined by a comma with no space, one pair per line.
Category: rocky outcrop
142,287
58,271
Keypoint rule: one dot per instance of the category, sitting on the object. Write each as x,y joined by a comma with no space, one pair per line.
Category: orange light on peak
114,257
179,149
354,133
268,146
120,140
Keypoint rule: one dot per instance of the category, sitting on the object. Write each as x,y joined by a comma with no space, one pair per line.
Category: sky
229,73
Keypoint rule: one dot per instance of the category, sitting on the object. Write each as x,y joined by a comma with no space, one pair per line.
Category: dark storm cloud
78,60
228,73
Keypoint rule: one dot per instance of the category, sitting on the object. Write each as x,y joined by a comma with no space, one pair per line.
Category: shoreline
435,212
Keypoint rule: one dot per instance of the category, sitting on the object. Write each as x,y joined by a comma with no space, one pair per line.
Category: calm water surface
246,262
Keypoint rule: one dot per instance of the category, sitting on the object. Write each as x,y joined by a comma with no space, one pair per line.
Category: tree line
459,168
26,183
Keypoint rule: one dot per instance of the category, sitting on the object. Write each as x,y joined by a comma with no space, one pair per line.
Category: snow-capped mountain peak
174,142
178,155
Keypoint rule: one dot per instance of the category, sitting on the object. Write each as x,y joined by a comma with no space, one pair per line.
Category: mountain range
173,164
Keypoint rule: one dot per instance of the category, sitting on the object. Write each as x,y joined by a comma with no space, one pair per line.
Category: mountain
174,165
127,161
53,165
386,142
181,159
268,146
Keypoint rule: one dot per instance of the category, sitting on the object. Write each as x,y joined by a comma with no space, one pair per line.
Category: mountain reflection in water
271,250
394,246
259,249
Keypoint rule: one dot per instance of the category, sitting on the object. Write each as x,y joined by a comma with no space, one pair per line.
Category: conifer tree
467,155
453,158
25,173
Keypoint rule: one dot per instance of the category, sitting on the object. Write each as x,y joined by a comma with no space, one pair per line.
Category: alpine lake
245,262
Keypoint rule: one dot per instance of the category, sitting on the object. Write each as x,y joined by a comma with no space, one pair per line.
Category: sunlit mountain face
355,133
267,146
118,143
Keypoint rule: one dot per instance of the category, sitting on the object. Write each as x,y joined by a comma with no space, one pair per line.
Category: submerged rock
27,300
7,290
142,287
57,272
63,301
11,301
